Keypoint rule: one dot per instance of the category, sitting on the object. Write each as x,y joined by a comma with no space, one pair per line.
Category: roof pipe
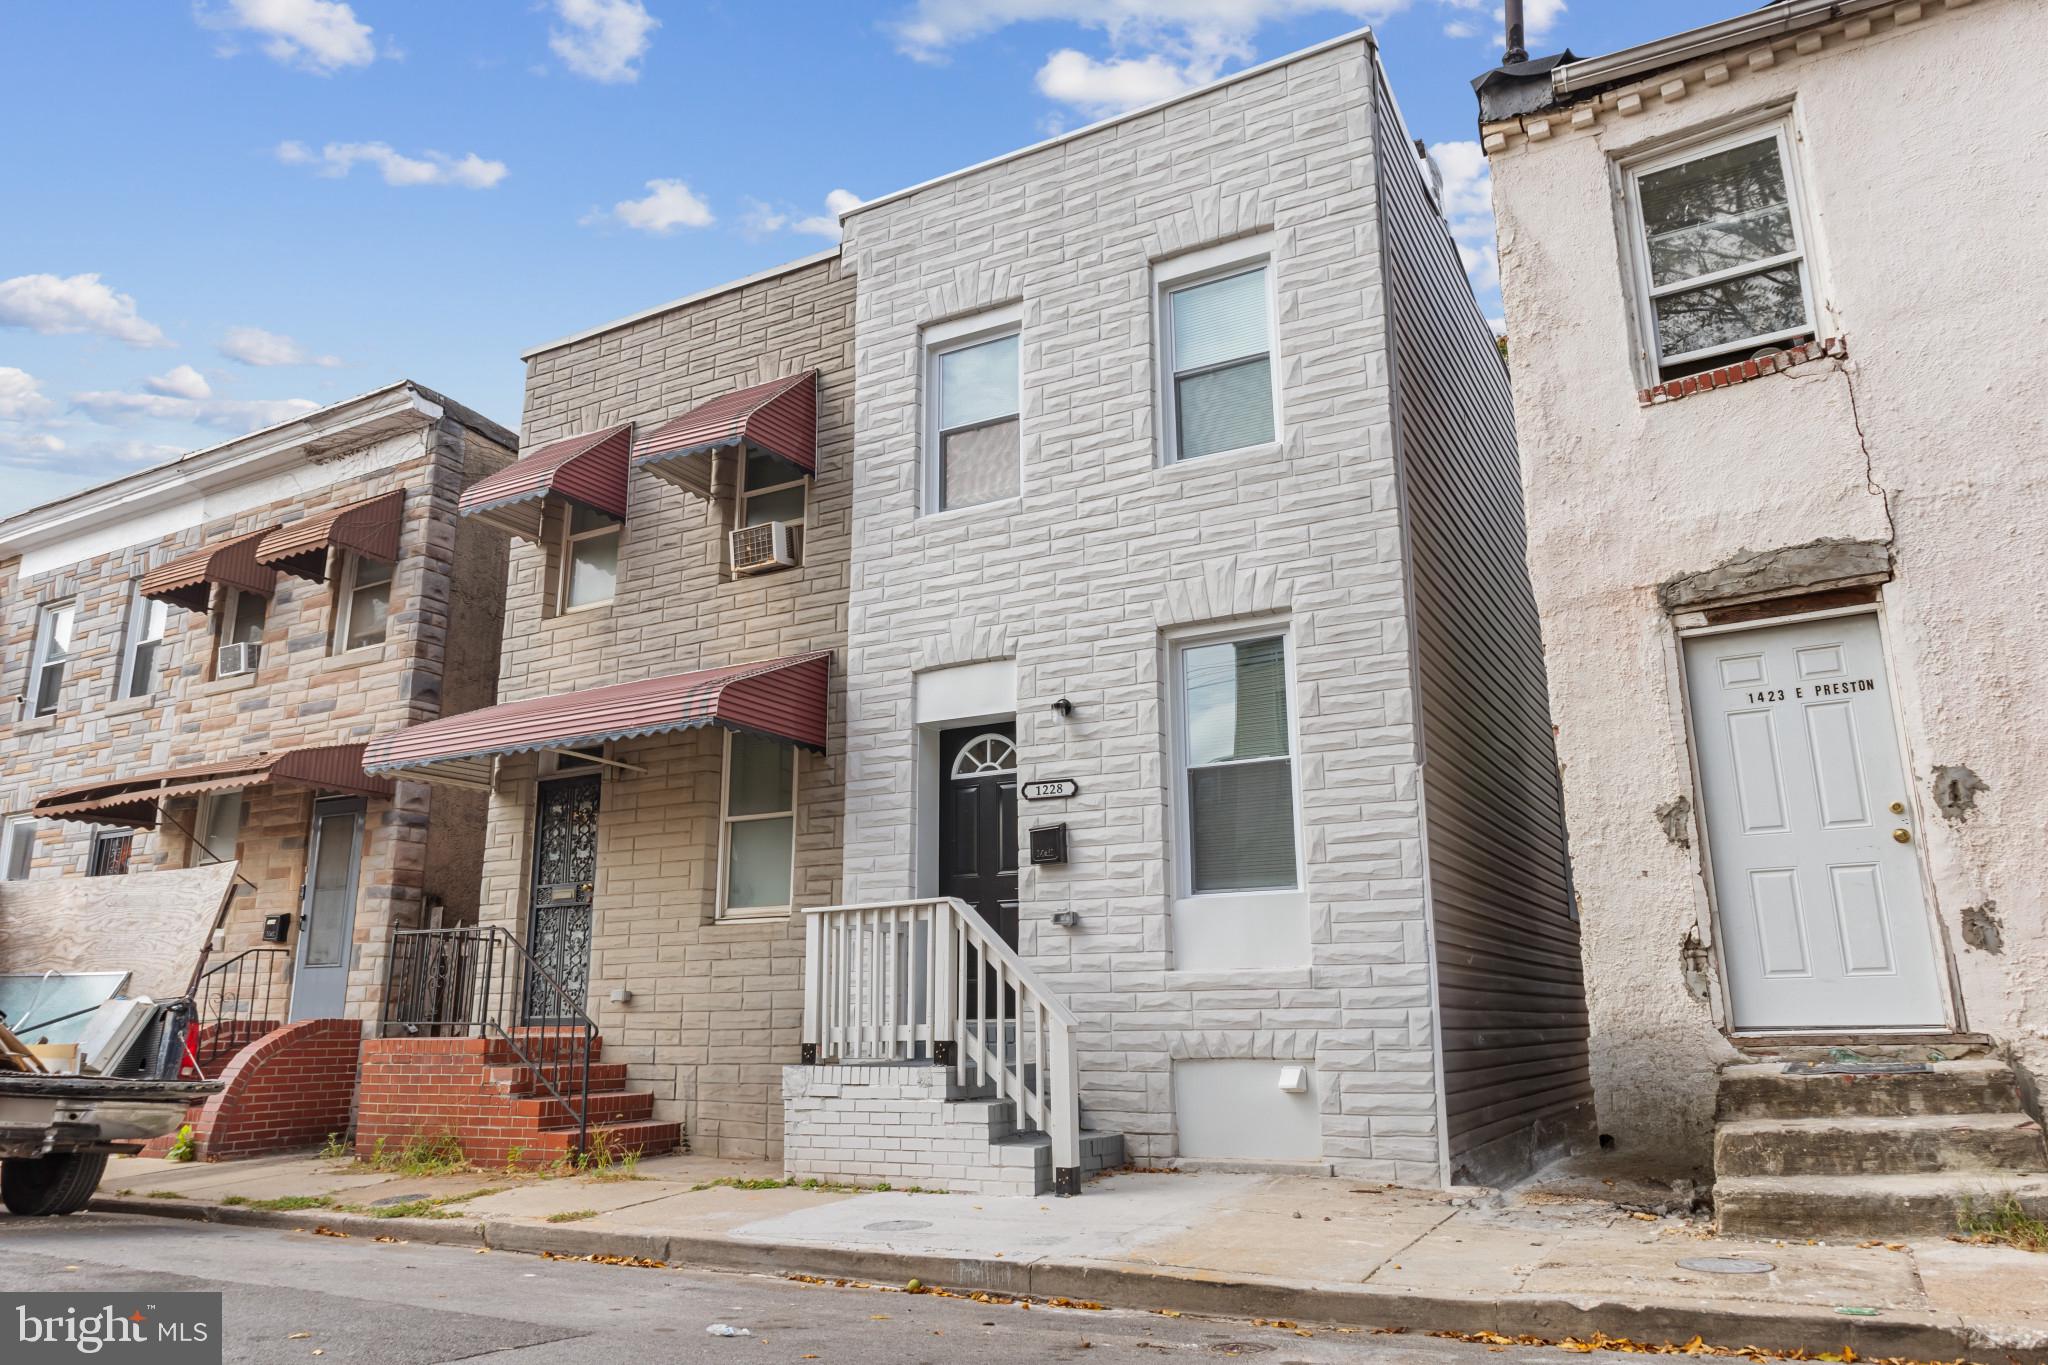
1517,50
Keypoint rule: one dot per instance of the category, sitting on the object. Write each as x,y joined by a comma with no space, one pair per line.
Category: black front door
978,823
564,886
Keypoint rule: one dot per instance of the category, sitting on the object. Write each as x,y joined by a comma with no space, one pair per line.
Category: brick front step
475,1091
609,1106
522,1080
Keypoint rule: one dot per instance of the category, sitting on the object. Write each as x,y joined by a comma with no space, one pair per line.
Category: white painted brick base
912,1125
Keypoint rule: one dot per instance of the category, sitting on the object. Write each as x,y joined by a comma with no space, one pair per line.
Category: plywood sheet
150,924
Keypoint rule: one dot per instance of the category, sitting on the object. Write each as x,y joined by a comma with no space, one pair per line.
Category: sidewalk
1546,1264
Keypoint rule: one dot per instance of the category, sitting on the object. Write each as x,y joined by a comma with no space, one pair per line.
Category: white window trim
224,623
139,608
959,334
1201,267
17,832
345,602
743,493
1178,642
726,821
46,621
565,565
1780,127
208,805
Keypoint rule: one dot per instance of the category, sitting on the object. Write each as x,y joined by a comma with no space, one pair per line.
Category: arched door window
985,756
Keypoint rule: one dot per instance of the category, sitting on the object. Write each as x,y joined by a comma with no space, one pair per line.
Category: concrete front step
1763,1090
1917,1144
1900,1047
1829,1208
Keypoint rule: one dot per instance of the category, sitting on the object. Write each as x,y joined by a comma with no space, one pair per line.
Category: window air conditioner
237,659
771,545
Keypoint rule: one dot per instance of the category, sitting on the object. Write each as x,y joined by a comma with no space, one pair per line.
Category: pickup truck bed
56,1132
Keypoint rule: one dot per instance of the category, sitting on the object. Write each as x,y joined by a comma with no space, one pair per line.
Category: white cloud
1100,89
604,39
254,346
1468,205
225,414
321,36
429,168
667,205
826,224
1189,31
181,381
21,397
33,450
1539,17
761,220
62,305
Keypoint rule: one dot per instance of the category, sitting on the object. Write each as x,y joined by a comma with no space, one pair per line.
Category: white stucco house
1190,647
1769,298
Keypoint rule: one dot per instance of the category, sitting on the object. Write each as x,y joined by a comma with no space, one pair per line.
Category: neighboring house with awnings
663,768
195,656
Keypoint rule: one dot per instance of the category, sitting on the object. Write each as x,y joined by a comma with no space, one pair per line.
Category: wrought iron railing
480,982
930,980
238,1001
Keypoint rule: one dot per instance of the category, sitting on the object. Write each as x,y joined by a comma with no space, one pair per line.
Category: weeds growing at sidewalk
2002,1221
603,1161
423,1154
334,1149
163,1194
285,1203
572,1215
183,1148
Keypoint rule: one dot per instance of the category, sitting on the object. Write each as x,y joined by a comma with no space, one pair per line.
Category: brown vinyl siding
1511,992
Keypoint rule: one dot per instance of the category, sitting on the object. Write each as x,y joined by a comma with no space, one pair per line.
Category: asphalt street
298,1296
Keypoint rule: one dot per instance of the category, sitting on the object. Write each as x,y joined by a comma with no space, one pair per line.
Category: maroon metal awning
188,580
133,800
780,418
369,527
784,698
589,469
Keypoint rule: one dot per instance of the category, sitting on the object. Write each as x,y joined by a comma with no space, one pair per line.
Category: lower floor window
1236,750
759,825
17,848
110,850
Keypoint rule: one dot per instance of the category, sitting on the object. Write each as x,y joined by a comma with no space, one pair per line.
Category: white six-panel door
1816,879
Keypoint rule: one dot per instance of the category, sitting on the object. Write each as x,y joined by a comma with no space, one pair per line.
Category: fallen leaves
324,1231
1601,1342
600,1258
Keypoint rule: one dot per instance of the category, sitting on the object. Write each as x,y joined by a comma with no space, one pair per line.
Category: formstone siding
716,1008
1107,548
301,694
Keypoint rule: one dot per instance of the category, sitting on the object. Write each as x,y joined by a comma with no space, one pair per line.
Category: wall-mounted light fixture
1063,708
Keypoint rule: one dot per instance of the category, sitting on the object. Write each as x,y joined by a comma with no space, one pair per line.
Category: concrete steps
915,1124
1871,1154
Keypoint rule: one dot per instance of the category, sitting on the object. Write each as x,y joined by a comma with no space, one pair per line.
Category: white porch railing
929,980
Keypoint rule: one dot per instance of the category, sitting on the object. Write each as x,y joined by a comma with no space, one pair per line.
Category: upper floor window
1216,340
974,453
1236,755
238,632
110,852
52,654
362,603
149,620
771,489
759,826
17,847
590,557
1721,262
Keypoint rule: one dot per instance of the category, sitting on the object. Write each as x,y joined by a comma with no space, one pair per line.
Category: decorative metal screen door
564,880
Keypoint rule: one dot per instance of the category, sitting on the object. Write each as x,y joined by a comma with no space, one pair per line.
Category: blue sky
219,214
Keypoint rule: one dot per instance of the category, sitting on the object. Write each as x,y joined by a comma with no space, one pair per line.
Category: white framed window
17,847
1720,250
362,603
771,489
589,558
149,621
973,425
1219,382
1234,748
238,632
220,825
110,852
757,817
54,642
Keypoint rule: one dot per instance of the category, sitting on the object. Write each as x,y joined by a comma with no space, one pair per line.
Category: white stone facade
1918,434
1080,582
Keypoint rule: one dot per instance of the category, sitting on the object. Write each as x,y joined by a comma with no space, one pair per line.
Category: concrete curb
1898,1333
